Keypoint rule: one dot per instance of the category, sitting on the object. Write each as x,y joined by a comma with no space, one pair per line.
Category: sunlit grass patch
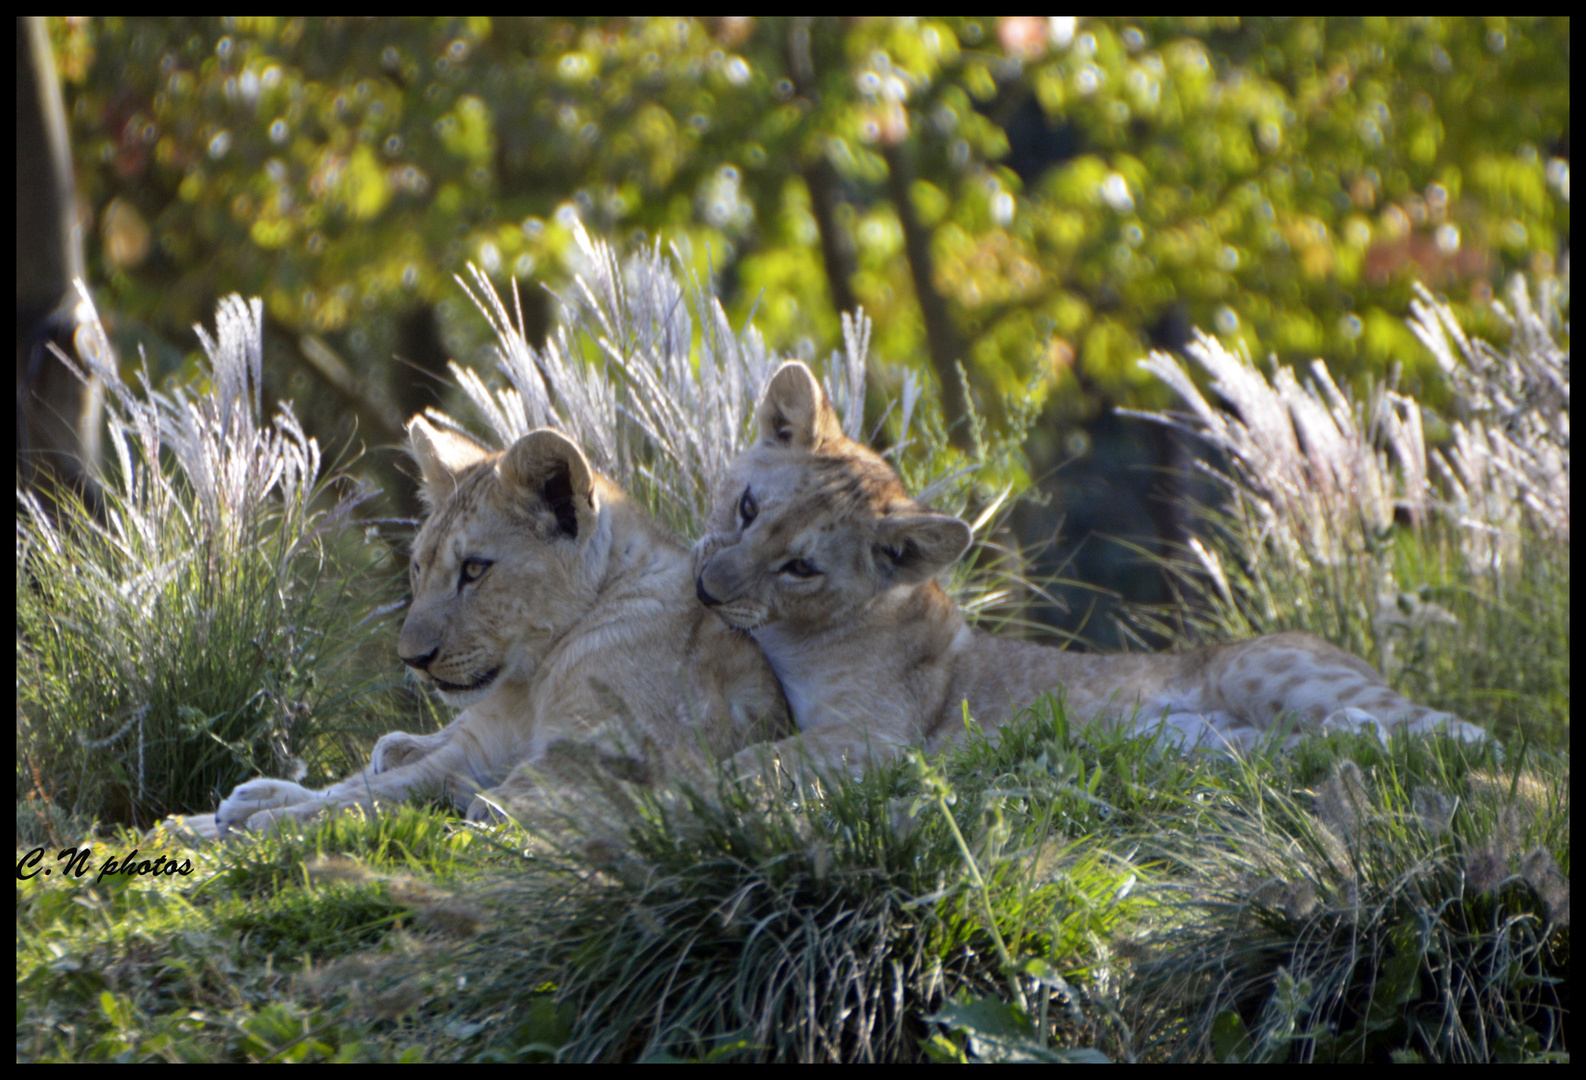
1444,561
198,632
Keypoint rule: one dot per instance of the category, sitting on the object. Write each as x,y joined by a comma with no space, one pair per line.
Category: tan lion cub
815,547
552,607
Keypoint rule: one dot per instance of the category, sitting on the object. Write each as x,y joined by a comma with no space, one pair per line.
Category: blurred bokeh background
1037,202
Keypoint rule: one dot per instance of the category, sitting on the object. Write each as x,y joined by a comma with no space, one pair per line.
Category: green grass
1408,908
216,621
207,966
135,702
1047,893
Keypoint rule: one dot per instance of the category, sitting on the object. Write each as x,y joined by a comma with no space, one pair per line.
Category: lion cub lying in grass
552,607
815,547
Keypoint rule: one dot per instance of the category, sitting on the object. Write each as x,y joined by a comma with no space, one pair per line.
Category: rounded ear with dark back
915,547
547,465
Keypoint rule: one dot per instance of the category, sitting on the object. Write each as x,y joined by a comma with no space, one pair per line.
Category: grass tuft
196,633
1375,915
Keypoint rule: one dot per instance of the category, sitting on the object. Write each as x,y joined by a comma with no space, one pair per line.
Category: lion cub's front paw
269,821
253,806
201,827
398,748
481,812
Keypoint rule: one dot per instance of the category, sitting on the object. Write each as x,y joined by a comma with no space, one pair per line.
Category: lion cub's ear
547,465
442,456
911,548
794,411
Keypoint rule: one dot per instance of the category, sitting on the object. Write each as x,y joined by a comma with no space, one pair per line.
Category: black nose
421,663
704,597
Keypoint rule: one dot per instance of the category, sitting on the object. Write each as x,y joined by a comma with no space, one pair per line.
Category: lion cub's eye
747,507
472,571
801,568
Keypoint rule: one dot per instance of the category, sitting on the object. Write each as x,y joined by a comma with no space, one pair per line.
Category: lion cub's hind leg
1319,686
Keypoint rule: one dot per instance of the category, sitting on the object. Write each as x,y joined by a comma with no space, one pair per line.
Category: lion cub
552,607
815,547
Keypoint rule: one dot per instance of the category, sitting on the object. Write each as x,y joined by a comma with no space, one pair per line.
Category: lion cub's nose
421,663
704,597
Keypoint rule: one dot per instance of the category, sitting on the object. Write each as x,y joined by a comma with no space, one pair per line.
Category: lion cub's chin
461,699
741,623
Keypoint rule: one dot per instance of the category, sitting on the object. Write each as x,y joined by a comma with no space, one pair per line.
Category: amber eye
472,571
800,568
747,507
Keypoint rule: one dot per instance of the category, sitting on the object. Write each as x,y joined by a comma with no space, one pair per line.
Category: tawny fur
565,620
815,547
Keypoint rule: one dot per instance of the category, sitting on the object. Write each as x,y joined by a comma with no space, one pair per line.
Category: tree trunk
945,344
58,416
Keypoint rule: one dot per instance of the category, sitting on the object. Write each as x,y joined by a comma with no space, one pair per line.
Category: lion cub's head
509,557
809,525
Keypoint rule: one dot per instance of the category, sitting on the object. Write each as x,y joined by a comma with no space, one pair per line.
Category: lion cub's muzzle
739,612
717,582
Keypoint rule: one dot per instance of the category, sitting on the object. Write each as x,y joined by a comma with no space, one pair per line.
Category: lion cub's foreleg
457,763
263,804
850,748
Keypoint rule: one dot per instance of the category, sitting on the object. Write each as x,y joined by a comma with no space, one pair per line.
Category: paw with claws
260,805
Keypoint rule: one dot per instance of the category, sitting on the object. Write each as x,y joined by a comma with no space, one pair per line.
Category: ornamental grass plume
1343,516
1315,474
648,376
171,646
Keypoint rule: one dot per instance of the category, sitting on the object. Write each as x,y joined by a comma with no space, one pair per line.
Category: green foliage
1081,181
994,1031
